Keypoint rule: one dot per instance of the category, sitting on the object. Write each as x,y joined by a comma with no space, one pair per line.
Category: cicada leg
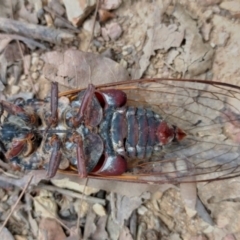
54,104
84,109
81,161
56,156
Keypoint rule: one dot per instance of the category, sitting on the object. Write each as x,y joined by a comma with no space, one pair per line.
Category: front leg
84,109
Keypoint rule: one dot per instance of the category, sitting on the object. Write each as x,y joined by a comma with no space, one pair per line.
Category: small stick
35,31
73,194
15,205
94,23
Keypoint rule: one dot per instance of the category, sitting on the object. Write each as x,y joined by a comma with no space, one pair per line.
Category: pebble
123,63
35,75
88,25
48,20
138,44
127,50
15,89
35,54
99,209
23,77
33,68
35,60
111,4
112,31
142,210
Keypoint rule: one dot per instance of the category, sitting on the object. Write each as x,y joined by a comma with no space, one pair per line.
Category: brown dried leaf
125,206
49,229
75,69
28,16
100,232
125,234
45,206
6,235
196,57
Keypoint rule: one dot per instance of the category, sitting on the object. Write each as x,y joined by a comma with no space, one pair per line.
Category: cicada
148,130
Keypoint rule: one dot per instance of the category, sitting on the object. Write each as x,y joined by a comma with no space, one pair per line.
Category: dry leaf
125,234
49,229
6,235
100,232
45,206
196,57
125,206
75,69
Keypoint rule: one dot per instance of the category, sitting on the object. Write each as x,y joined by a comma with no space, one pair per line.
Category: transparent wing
209,112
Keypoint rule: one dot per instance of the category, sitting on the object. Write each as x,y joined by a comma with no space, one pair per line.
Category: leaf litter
161,40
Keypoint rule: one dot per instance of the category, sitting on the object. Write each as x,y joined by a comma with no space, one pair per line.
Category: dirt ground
79,42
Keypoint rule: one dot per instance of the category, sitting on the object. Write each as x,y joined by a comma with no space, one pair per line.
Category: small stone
48,19
127,50
208,14
110,4
112,30
15,89
35,75
138,44
231,6
40,64
33,68
142,210
88,25
19,237
35,60
77,11
223,38
99,209
123,63
35,54
213,45
23,77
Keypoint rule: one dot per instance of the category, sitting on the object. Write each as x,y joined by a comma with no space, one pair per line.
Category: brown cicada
149,130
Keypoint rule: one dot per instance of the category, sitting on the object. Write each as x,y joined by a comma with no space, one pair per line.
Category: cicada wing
208,112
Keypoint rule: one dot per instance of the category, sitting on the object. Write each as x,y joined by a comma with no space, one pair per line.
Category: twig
73,194
15,205
94,23
35,31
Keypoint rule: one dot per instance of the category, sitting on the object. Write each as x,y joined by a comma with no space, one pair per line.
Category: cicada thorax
113,134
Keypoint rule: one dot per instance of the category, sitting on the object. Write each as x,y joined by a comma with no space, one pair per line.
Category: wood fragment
34,31
73,194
